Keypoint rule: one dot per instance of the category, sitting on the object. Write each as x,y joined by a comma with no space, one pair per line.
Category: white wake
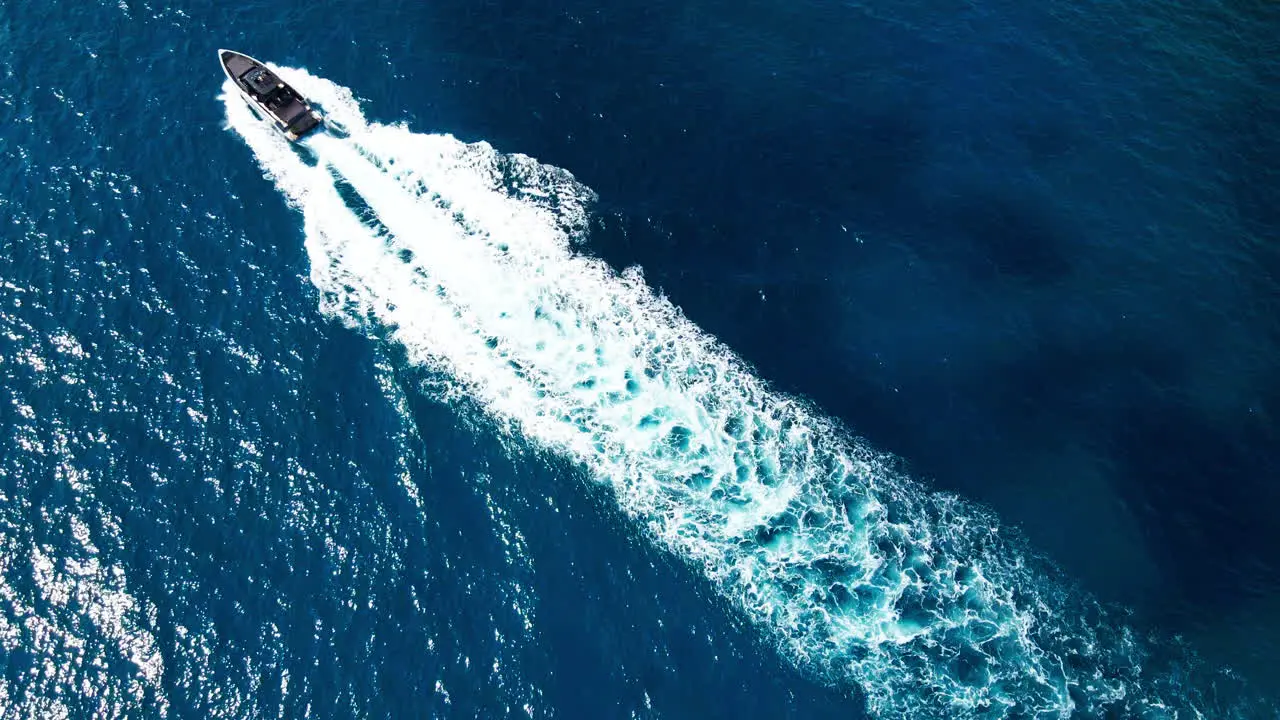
464,257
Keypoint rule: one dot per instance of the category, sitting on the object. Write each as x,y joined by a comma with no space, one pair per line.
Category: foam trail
463,257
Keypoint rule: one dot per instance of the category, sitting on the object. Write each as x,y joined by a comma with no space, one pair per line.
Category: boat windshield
260,80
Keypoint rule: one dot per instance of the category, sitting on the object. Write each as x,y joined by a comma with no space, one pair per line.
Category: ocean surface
642,360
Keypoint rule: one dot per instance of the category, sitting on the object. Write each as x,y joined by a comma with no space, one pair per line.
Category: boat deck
284,105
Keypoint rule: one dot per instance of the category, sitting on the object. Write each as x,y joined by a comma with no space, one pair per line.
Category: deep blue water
1029,249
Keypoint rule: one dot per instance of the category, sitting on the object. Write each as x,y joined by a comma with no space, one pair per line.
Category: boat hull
273,98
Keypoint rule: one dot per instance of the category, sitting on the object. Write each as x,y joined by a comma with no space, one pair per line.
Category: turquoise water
409,423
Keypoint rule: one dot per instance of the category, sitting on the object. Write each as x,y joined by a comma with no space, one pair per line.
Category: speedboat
272,97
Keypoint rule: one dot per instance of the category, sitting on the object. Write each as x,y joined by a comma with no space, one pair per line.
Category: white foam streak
465,260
